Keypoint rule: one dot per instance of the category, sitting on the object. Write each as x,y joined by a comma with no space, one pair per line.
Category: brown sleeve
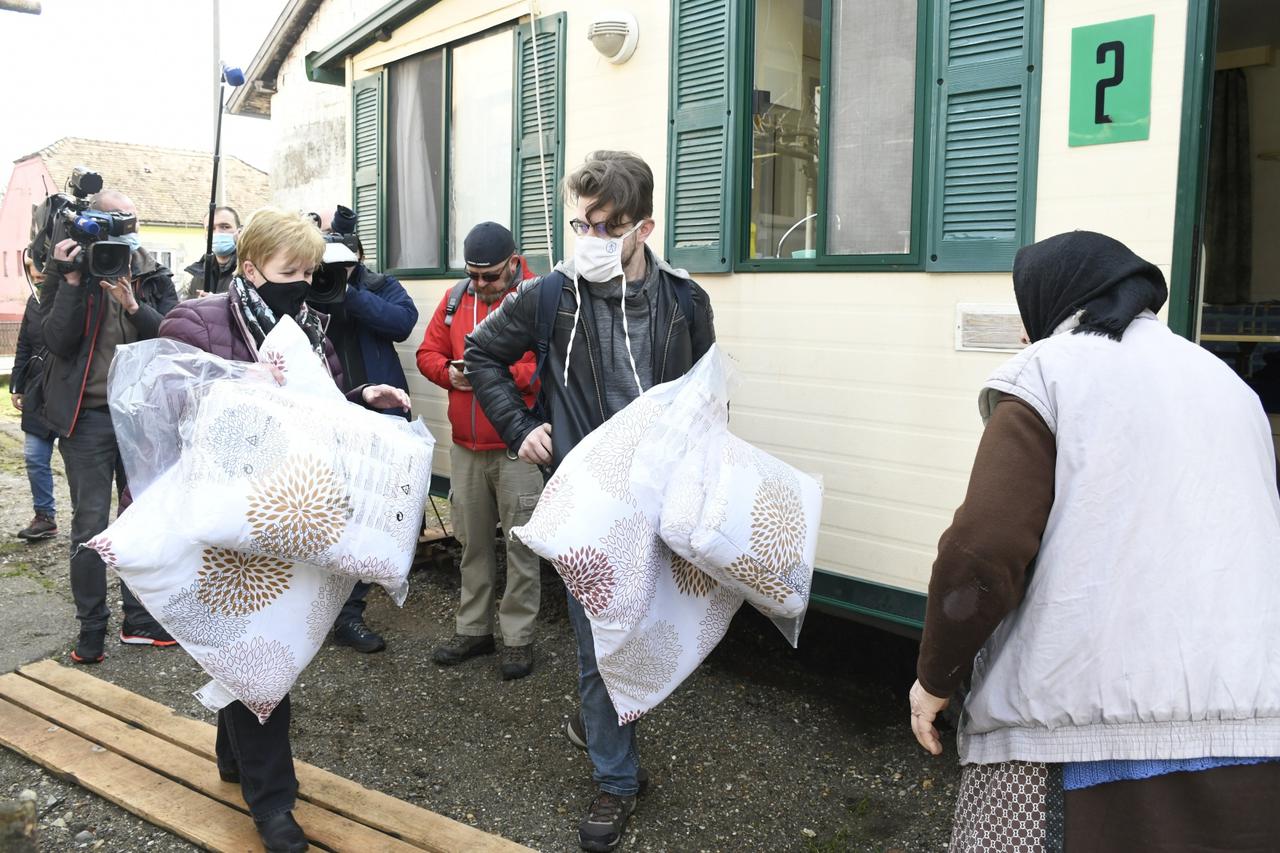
983,557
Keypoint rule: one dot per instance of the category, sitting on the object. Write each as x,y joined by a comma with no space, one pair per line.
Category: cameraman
85,319
369,313
226,225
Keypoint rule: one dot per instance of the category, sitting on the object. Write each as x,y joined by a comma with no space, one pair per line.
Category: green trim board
867,600
1193,150
328,65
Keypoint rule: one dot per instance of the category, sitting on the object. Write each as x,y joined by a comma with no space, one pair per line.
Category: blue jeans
612,747
38,451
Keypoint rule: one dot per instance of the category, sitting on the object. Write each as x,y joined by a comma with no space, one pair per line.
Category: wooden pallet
159,765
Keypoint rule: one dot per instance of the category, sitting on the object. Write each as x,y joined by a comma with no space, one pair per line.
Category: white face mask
599,259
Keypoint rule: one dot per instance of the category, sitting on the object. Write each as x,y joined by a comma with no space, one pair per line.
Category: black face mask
284,298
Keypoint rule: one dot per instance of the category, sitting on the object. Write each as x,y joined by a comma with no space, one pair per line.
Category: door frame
1193,159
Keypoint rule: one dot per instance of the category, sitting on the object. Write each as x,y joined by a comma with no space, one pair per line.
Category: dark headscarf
1058,276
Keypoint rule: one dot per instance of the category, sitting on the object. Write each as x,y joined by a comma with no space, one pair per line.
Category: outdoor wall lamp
614,34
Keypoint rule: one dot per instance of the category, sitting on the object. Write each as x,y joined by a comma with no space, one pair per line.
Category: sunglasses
489,277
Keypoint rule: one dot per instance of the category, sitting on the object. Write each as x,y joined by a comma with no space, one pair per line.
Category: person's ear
646,228
250,272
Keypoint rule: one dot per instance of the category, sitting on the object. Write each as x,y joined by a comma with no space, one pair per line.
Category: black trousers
353,609
262,755
92,461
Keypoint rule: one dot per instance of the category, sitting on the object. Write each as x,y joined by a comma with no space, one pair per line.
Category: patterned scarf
259,319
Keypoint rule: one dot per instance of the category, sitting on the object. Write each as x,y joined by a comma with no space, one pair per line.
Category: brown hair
617,178
272,231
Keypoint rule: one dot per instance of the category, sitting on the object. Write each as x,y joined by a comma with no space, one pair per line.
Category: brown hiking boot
517,662
606,819
41,527
462,648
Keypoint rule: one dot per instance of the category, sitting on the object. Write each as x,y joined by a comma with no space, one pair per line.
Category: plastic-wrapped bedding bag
655,614
311,480
252,621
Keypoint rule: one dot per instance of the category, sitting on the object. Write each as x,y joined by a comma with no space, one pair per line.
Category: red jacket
442,344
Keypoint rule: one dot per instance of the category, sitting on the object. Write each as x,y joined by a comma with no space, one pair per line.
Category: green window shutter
984,126
539,152
367,157
700,162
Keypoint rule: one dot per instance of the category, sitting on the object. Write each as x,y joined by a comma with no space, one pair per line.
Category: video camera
329,282
61,216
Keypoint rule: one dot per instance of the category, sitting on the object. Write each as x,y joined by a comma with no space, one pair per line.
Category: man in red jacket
488,484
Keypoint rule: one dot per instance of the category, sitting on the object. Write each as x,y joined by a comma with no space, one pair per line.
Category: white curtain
480,150
872,133
415,154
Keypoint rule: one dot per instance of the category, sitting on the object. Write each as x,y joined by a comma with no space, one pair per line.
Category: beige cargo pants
488,488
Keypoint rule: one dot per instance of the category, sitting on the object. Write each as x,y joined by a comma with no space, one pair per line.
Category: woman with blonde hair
278,252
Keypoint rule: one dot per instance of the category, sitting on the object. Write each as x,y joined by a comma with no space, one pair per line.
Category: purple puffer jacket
214,324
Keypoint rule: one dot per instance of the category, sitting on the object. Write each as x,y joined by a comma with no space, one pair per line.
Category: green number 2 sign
1111,81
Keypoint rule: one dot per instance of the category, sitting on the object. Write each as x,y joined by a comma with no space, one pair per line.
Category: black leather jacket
574,411
72,318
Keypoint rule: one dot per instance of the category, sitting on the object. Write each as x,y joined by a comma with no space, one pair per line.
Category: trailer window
872,127
415,159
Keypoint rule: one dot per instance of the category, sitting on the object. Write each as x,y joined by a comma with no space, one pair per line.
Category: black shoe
89,647
517,662
41,527
576,733
359,636
153,635
462,648
232,776
281,834
606,819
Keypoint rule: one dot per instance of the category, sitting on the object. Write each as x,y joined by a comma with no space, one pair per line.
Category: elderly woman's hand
385,397
925,708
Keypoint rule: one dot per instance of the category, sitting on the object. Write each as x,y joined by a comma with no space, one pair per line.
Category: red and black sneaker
89,646
153,635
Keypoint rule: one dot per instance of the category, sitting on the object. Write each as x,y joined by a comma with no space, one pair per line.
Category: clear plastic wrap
253,613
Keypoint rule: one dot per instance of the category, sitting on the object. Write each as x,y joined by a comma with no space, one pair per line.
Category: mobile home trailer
849,180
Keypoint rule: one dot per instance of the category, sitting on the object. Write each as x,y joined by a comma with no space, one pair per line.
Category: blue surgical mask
224,245
133,238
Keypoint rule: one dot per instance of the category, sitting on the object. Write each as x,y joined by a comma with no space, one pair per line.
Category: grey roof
254,97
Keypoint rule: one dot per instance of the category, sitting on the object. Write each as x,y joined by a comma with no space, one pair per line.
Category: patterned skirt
1011,807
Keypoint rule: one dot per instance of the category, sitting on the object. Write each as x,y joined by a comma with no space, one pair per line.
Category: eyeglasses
601,229
489,277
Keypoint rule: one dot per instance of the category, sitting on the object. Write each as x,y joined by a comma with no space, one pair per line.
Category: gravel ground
764,748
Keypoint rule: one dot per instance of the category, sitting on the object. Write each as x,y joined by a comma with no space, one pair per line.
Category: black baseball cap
488,244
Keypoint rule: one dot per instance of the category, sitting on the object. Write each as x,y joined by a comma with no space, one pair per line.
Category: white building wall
310,166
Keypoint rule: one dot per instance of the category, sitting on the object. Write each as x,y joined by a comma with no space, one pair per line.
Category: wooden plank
201,774
426,829
148,795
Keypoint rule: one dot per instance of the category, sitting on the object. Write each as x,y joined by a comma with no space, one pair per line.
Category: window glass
480,150
872,127
785,106
415,160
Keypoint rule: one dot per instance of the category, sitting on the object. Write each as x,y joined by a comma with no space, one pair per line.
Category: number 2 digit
1100,93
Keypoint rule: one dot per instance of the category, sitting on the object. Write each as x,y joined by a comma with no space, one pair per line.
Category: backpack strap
544,319
455,299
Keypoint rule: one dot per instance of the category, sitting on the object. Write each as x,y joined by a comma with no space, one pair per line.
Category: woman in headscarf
1111,582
